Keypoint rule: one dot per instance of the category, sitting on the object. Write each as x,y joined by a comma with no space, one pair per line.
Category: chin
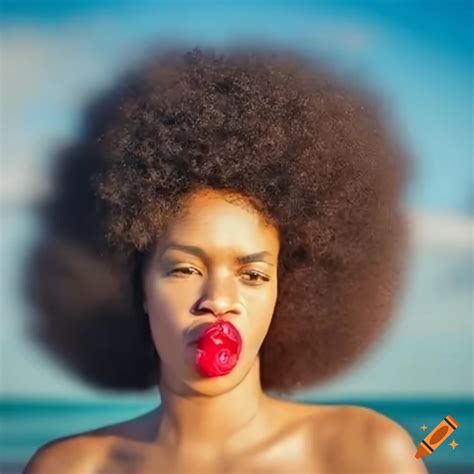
211,386
193,383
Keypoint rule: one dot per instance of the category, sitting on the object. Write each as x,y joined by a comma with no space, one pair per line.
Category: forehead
222,220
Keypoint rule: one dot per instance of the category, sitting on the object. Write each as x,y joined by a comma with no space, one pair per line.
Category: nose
220,297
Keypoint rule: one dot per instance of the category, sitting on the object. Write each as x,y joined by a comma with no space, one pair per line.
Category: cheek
260,316
168,316
166,301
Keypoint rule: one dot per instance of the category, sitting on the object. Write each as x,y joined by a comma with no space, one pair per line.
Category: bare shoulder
83,452
74,454
372,441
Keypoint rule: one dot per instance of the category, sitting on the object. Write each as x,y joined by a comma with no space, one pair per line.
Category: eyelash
262,277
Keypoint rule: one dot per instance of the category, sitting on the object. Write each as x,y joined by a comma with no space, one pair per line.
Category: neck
192,419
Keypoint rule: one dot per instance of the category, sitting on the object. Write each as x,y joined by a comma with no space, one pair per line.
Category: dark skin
227,423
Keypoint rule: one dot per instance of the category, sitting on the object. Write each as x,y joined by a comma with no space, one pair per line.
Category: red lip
196,333
218,349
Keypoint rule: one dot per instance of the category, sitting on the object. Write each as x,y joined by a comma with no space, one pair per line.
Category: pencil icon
436,437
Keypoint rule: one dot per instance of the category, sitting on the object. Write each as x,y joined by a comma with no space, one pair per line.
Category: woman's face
195,277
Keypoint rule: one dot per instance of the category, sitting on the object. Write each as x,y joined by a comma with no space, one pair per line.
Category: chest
281,458
284,454
301,447
286,461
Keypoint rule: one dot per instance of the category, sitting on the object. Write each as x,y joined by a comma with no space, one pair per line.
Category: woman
255,200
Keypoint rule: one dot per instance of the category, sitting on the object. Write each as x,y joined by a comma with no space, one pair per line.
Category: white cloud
430,230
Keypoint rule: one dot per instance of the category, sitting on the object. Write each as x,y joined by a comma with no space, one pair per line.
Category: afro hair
309,151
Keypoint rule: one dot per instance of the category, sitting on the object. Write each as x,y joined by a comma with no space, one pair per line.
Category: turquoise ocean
27,424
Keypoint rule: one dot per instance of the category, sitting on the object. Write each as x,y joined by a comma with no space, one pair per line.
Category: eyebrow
198,252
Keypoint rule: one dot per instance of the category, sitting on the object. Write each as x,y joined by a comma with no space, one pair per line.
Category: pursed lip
196,332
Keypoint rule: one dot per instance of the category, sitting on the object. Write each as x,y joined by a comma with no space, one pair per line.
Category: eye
184,270
256,276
